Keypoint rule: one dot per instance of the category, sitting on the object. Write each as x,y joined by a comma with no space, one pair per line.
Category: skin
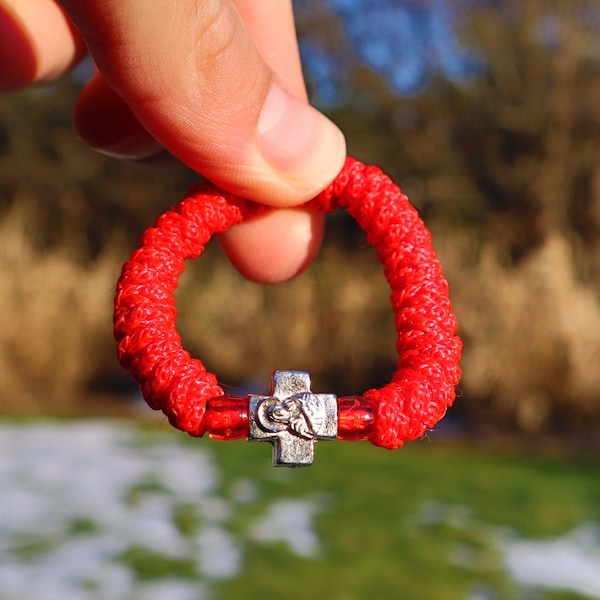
216,84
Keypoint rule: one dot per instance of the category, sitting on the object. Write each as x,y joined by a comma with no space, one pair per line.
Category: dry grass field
532,333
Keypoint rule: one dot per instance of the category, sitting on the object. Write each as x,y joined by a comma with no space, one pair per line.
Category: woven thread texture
421,389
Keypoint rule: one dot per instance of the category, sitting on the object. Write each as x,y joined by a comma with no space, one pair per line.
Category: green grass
419,523
426,522
148,565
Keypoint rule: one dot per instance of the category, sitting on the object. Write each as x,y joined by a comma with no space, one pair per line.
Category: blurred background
486,112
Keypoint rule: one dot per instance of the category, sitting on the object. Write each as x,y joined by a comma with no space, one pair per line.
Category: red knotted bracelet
292,417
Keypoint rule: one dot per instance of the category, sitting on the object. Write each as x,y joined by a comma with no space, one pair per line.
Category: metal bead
292,418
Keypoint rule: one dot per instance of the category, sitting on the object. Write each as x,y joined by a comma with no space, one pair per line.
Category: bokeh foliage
503,166
503,163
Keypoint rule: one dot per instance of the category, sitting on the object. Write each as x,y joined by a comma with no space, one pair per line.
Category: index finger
38,43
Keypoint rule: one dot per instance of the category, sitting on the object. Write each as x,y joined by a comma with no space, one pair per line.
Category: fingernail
131,148
299,142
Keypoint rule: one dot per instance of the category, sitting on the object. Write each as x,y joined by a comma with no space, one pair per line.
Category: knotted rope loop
421,389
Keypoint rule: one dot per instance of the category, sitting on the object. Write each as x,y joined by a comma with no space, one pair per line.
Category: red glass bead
355,418
226,417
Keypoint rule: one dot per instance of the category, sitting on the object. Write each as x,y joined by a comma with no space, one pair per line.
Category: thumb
191,74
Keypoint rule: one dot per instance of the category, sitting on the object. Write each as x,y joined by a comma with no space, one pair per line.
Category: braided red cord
423,386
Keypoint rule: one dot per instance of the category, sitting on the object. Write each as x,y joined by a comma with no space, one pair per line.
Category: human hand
216,83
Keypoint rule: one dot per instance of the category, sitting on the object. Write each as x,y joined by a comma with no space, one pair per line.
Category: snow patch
570,563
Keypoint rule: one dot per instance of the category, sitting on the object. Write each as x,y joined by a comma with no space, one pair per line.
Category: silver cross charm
292,418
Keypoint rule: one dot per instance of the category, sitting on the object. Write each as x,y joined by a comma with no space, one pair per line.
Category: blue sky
408,42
